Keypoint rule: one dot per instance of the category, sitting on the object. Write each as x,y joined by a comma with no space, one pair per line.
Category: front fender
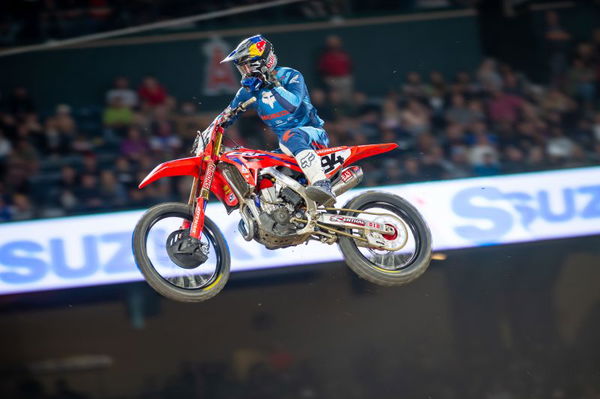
178,167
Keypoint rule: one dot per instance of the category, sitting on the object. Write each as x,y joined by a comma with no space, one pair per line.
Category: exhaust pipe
348,178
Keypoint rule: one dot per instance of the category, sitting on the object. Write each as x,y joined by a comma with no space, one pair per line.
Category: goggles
248,69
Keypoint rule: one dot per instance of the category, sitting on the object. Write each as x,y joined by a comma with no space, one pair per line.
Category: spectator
514,83
89,194
558,145
414,87
117,116
318,98
5,211
63,196
25,152
455,136
369,129
415,117
69,180
121,89
111,191
459,167
557,46
152,93
335,67
536,159
504,107
340,107
411,170
392,169
433,164
459,113
488,167
437,84
483,152
21,208
513,160
90,165
488,76
480,129
578,158
20,103
187,120
8,125
557,101
56,143
595,156
163,124
64,121
437,104
138,198
124,173
135,145
581,82
5,148
596,127
464,85
476,111
82,144
391,115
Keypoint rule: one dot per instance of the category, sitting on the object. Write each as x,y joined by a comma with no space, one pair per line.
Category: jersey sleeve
241,96
291,93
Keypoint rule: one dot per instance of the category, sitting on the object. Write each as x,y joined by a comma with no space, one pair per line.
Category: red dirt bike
183,254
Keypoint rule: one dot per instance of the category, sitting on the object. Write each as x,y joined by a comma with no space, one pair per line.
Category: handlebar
224,118
242,107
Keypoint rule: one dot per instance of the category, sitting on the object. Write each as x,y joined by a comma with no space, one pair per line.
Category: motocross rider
283,104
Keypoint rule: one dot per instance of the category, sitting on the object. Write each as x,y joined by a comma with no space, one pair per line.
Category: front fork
202,199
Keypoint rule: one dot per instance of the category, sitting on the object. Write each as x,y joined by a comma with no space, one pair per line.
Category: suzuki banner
96,249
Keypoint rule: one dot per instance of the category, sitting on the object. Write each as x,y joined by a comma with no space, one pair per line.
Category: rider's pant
301,143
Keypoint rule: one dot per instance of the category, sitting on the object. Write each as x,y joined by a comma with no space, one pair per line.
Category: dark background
519,319
505,322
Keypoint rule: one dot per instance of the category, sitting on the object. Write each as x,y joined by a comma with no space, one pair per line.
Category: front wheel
174,264
411,240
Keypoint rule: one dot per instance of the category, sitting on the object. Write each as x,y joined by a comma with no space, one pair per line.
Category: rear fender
364,151
334,158
179,167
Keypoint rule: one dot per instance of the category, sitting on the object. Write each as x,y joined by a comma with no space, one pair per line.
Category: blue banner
96,249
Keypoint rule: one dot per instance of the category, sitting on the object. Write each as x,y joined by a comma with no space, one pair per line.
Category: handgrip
248,102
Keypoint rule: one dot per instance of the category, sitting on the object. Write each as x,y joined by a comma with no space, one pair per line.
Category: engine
278,210
278,206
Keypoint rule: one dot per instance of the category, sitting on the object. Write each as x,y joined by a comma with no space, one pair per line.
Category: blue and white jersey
285,107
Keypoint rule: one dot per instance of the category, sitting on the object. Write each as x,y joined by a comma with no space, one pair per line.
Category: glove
271,80
226,114
252,83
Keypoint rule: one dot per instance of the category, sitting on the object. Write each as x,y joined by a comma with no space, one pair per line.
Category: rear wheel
411,240
174,264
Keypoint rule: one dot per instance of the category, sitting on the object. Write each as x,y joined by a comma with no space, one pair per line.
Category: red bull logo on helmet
257,49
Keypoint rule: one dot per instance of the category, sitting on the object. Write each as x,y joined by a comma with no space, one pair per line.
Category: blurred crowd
484,122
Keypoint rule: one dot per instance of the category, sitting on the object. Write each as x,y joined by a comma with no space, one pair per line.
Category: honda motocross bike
184,256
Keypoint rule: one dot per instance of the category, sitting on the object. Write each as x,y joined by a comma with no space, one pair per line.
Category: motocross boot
320,192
